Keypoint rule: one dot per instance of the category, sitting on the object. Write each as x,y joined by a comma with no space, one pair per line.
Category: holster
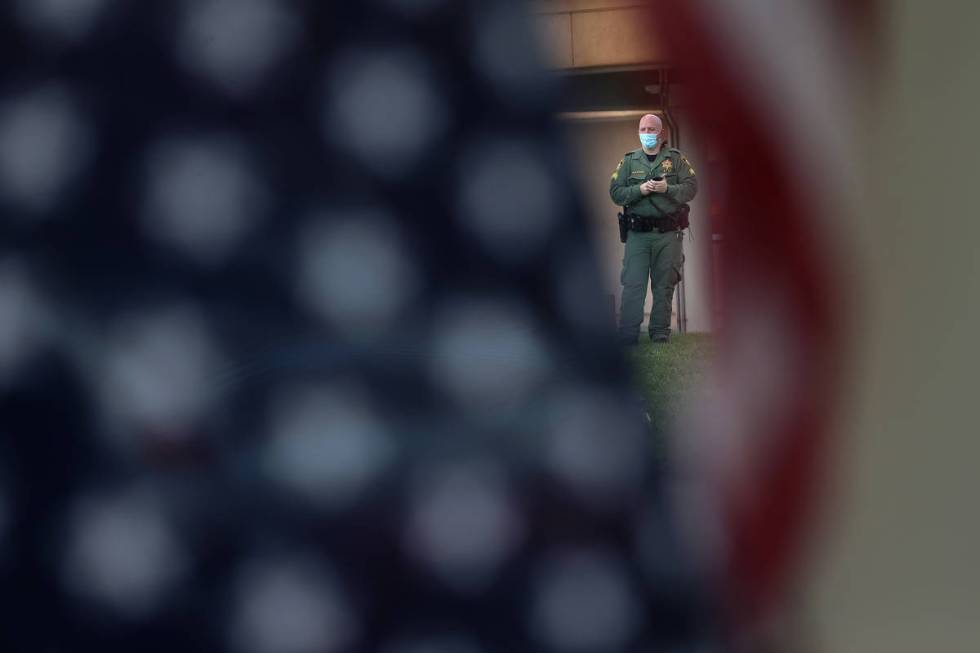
681,217
624,227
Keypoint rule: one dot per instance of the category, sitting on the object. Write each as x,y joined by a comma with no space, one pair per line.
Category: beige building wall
592,33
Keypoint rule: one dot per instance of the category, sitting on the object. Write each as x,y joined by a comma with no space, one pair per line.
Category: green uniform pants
657,257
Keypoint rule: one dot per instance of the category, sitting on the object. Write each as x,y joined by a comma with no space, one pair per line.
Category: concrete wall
595,33
598,145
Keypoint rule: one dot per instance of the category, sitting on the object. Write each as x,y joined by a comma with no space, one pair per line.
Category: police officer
653,185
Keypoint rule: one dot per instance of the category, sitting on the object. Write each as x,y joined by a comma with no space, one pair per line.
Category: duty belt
640,223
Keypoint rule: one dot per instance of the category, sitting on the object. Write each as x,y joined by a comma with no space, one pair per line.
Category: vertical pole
681,307
675,135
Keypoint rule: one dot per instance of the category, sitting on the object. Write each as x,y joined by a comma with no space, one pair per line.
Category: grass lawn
665,373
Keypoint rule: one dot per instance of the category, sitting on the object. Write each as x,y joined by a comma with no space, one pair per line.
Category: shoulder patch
616,171
690,168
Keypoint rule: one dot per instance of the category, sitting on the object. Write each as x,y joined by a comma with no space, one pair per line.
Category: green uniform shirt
634,169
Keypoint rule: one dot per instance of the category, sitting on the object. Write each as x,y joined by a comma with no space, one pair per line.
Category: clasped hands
652,186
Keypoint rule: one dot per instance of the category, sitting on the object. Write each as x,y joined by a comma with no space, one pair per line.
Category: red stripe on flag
771,243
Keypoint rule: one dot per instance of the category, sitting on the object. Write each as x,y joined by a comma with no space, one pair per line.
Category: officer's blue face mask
648,141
